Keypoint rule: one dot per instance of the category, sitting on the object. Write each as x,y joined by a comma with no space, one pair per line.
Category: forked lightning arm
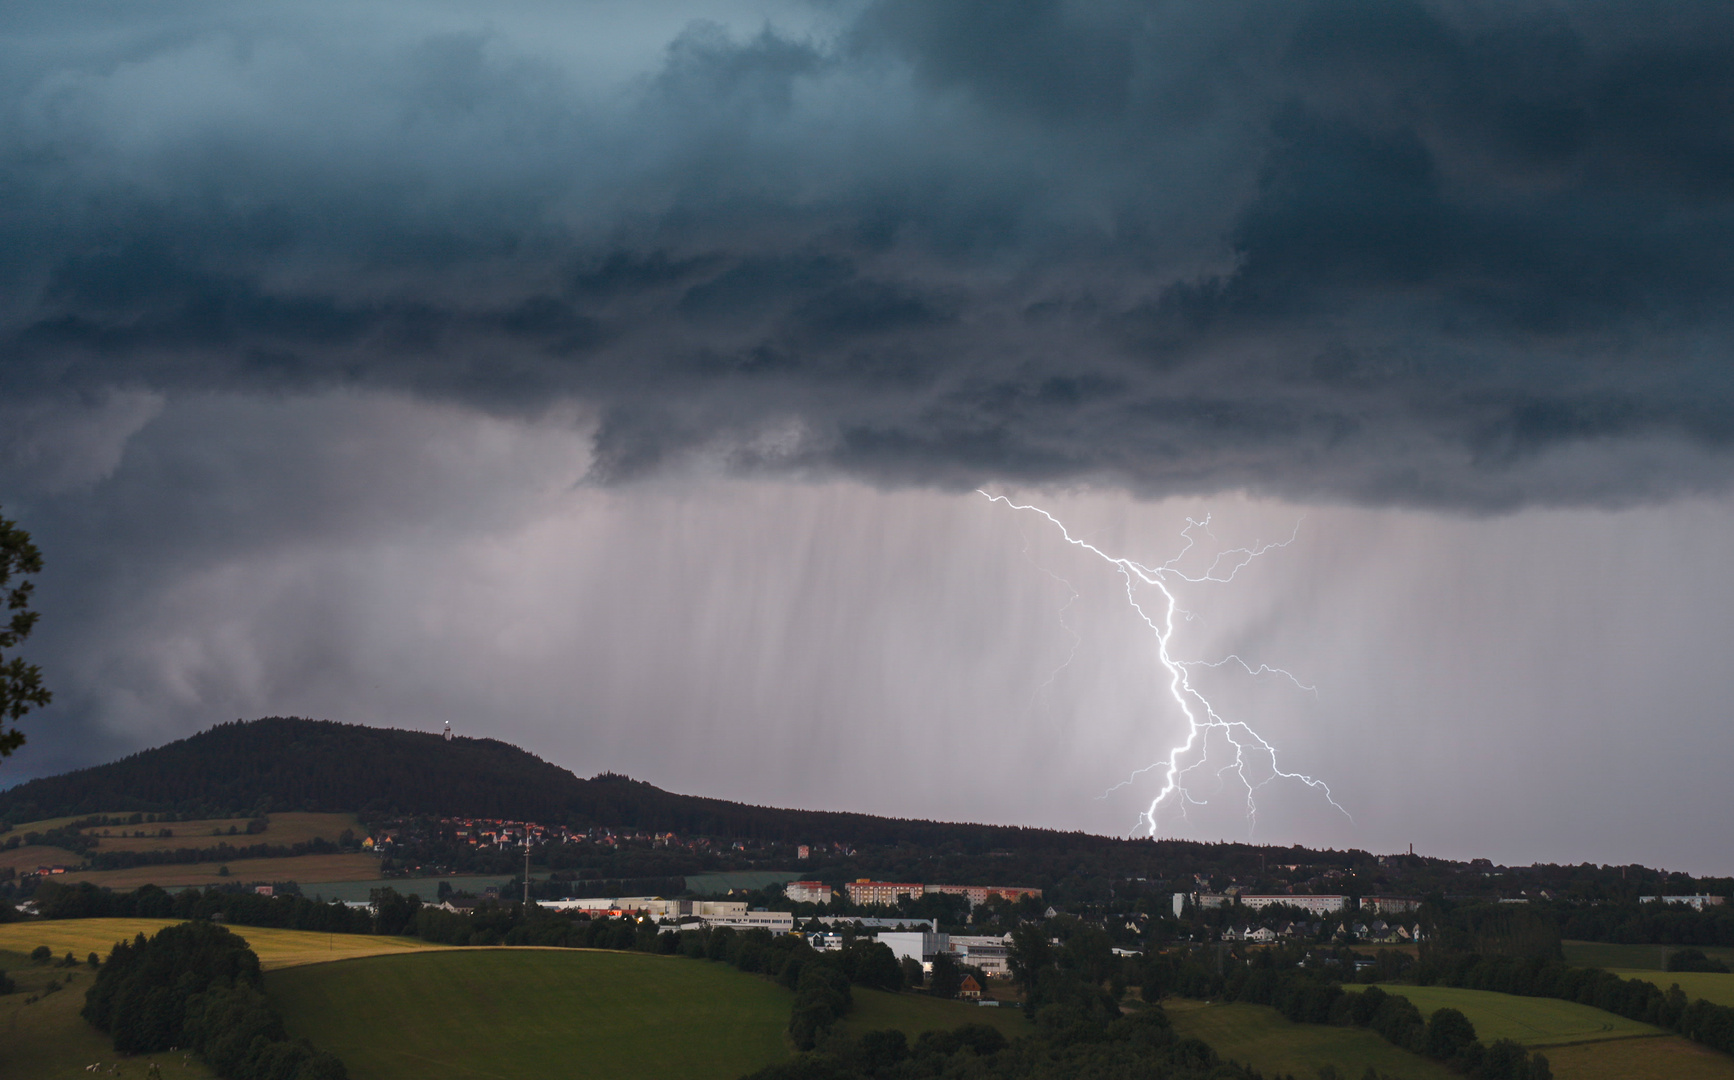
1201,717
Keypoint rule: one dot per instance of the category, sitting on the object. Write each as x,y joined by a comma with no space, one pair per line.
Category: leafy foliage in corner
198,985
21,686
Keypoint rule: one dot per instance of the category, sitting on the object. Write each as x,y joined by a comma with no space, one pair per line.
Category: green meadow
46,1039
492,1013
877,1010
1532,1021
1259,1036
1711,986
1633,957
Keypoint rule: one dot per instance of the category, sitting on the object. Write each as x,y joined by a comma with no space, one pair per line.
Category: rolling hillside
489,1013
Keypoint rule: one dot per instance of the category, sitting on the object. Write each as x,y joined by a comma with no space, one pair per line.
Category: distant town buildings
981,894
808,892
679,912
868,891
1316,905
1698,902
990,954
918,945
1389,905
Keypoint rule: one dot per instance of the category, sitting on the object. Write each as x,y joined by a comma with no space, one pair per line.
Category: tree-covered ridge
285,763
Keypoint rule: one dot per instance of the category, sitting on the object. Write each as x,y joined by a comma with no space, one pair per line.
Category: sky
622,381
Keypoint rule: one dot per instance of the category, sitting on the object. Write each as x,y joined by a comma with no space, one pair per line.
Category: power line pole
526,873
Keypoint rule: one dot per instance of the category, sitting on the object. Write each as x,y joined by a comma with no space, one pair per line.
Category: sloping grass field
343,867
1532,1021
295,828
1711,986
26,859
276,948
878,1010
1633,957
1259,1036
288,828
46,1039
1667,1058
498,1013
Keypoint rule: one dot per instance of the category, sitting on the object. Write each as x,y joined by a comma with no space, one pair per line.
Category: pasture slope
879,1010
1259,1036
276,948
493,1013
1711,986
283,829
1536,1022
1633,957
347,866
46,1039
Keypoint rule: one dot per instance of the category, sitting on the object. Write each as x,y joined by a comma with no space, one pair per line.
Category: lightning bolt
1201,717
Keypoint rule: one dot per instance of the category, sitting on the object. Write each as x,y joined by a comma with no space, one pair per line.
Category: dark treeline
1648,924
243,908
197,985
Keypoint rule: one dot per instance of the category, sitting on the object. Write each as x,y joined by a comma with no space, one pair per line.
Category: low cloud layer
1376,250
612,378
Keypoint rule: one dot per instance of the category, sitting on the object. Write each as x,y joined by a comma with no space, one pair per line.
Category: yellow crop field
276,948
347,867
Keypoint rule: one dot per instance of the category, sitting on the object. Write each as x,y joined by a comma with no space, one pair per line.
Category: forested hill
282,763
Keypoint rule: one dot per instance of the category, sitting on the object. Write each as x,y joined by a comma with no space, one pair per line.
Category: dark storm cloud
1388,251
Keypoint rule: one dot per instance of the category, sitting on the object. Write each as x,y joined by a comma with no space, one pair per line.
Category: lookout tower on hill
448,735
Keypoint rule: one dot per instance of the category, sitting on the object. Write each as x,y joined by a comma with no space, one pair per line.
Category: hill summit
287,763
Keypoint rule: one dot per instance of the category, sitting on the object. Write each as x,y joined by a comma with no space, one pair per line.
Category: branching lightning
1201,717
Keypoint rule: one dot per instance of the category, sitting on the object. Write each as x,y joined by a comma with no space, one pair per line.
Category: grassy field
26,859
1668,1058
1532,1021
718,884
876,1010
1261,1037
425,887
1710,986
276,948
1632,957
283,829
48,1040
346,867
43,825
495,1013
295,828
